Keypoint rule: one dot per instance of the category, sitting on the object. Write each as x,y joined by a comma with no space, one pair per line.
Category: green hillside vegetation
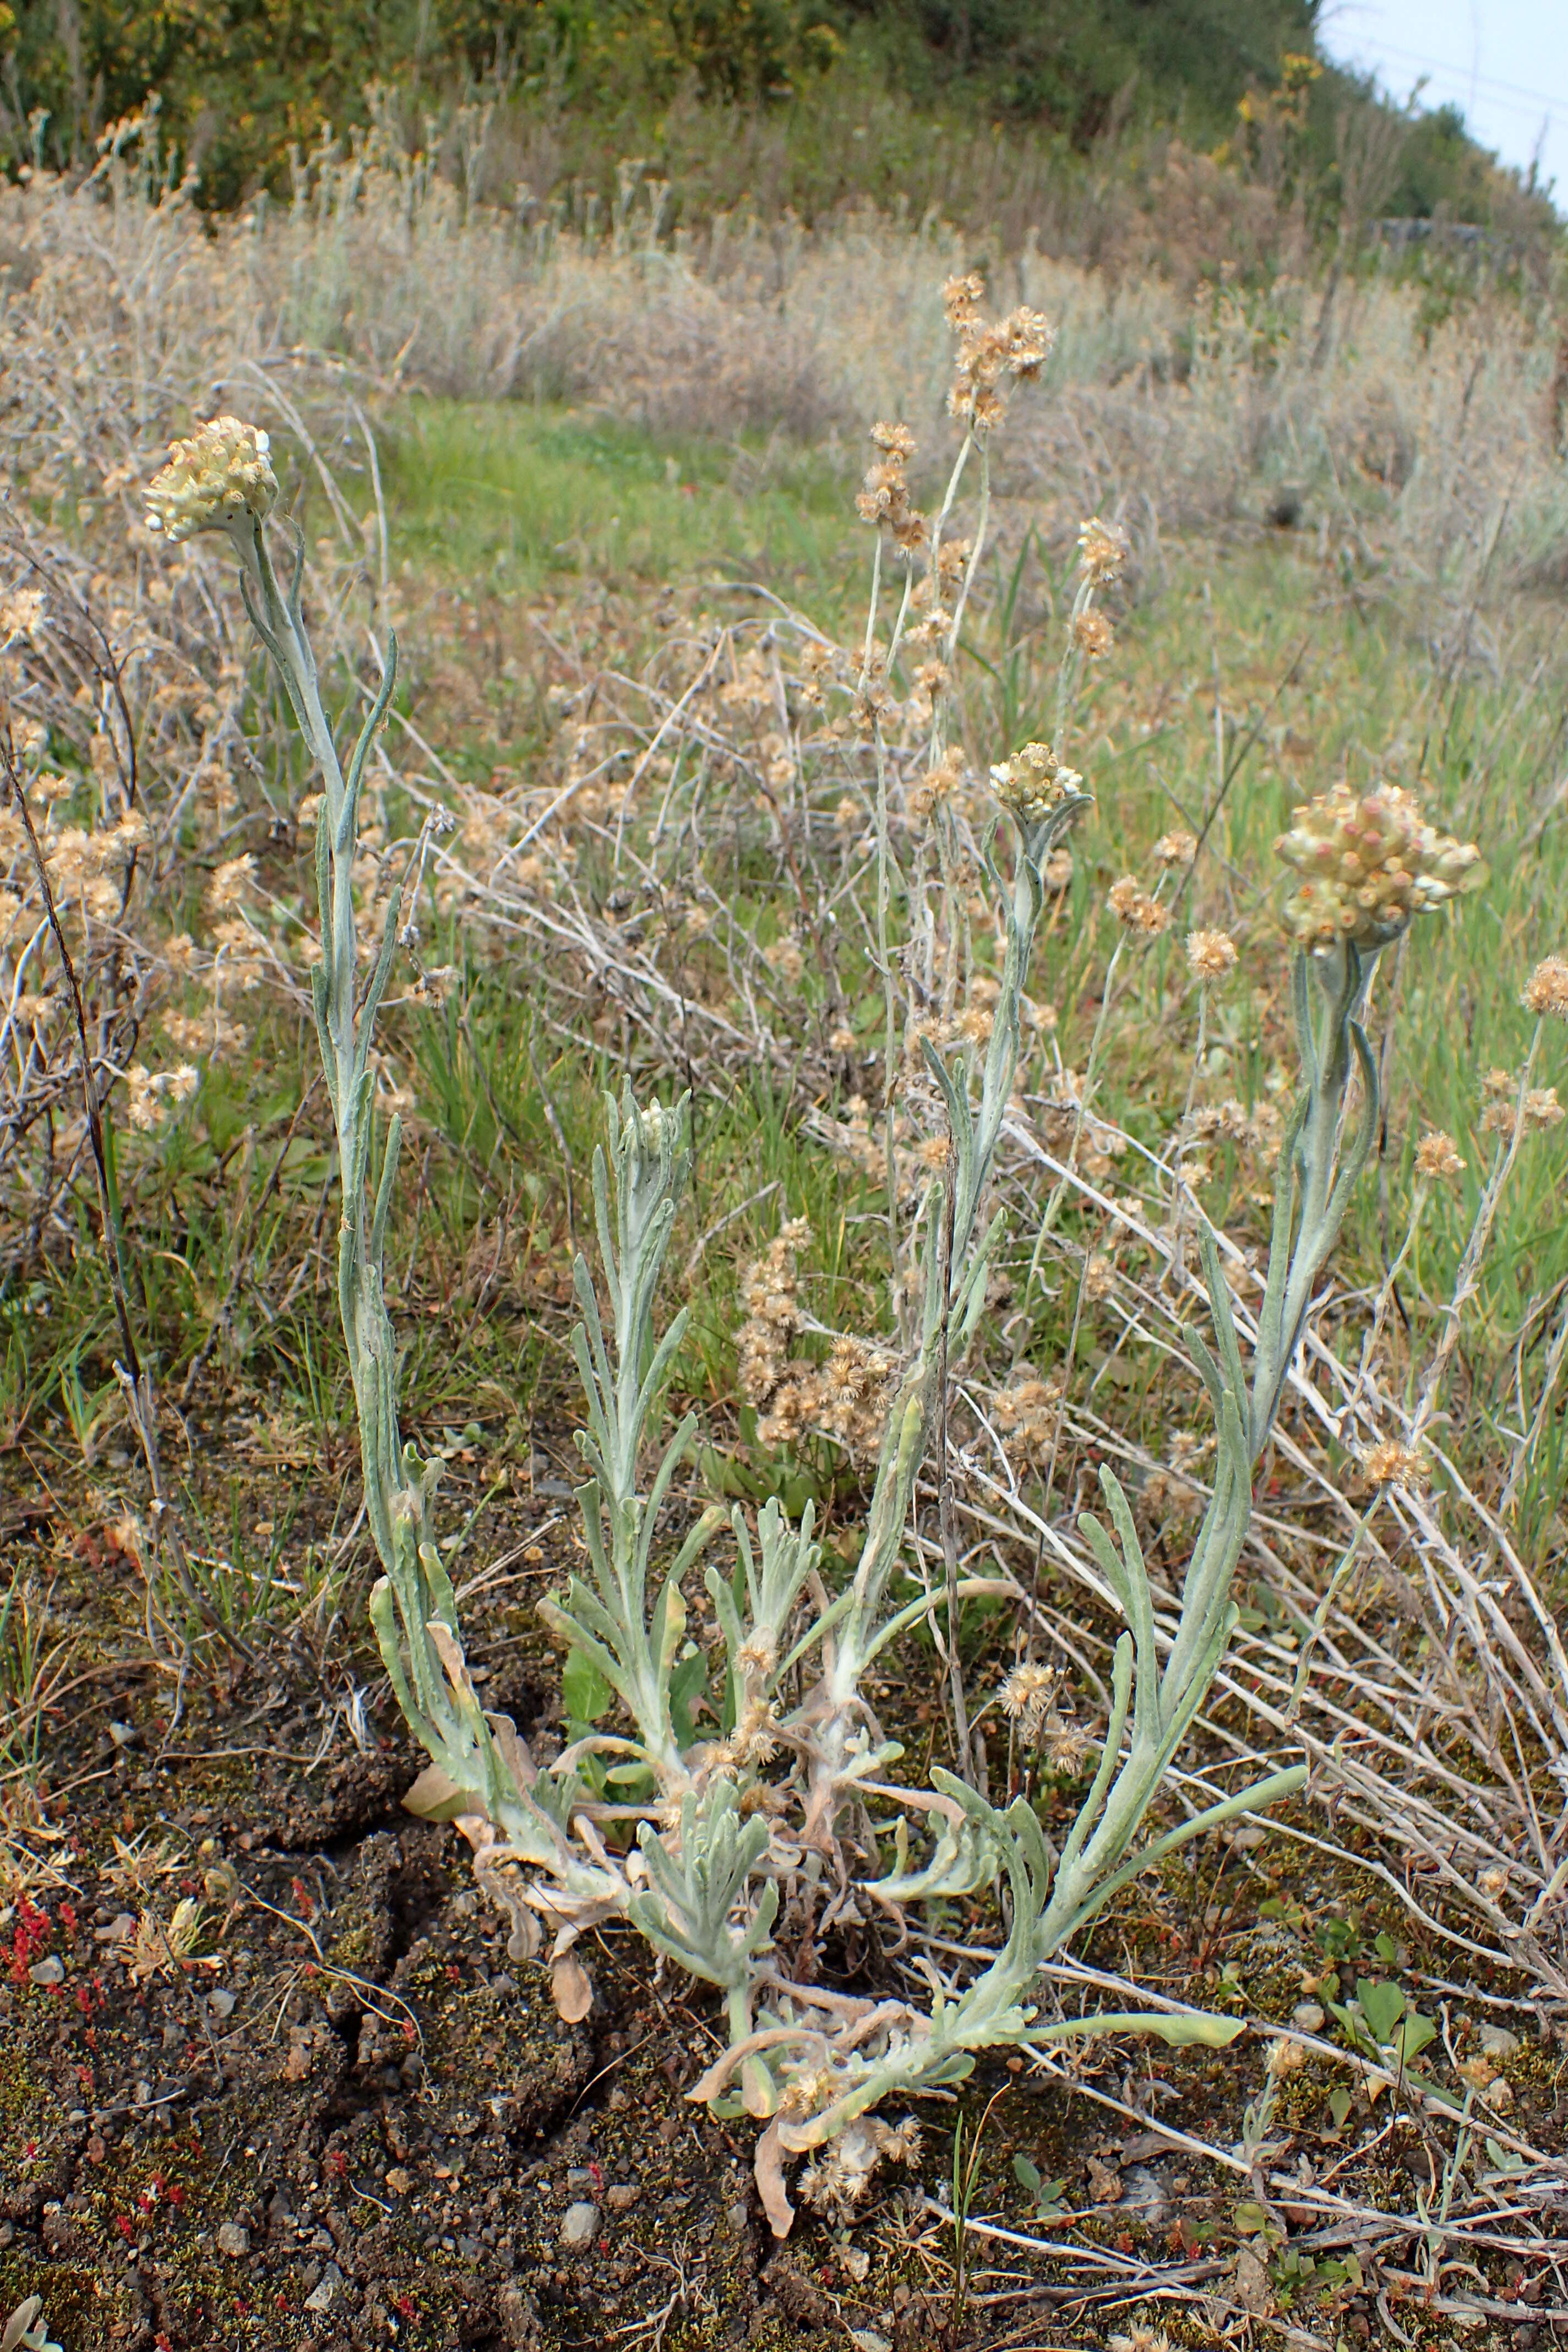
978,107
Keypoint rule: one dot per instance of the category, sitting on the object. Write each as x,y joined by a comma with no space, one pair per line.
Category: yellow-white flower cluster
1033,783
220,473
1368,863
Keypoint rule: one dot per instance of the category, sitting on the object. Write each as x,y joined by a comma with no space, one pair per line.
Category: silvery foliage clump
776,1811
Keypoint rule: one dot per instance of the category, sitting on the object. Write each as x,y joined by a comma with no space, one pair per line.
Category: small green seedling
1382,2025
1048,2196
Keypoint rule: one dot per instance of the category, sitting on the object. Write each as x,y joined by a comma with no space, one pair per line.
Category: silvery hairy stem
951,1269
1314,1180
1152,1708
412,1604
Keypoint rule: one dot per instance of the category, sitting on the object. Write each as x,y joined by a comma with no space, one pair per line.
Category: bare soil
344,2118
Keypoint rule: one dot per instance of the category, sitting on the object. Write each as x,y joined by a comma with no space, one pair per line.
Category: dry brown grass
131,312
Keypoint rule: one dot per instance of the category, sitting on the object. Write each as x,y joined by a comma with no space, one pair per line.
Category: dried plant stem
1467,1281
1173,1227
134,1377
982,523
1525,1448
1091,1072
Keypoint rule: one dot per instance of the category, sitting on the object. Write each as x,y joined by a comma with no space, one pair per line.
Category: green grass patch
517,498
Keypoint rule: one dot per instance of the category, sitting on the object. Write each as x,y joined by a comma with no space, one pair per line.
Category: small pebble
623,2196
580,2223
233,2239
398,2181
1306,2017
1498,2042
220,2001
323,2297
51,1971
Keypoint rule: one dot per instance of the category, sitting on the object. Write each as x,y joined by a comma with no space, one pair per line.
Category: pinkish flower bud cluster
1369,862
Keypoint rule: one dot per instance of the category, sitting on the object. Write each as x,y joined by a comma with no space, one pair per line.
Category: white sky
1503,62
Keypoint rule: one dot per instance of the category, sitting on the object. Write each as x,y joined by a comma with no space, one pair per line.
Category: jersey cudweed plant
794,1813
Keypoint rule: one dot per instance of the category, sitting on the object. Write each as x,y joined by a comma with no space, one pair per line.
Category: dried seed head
226,887
219,474
940,781
1178,847
1068,1747
1014,347
149,1094
757,1658
1092,634
1135,910
752,1740
1538,1110
809,2092
1369,864
1286,2056
1102,549
1546,990
1029,1411
961,297
1028,1692
1393,1464
1210,955
1435,1156
21,614
885,497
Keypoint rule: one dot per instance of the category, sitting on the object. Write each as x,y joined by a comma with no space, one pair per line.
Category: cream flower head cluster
1369,862
1033,783
222,472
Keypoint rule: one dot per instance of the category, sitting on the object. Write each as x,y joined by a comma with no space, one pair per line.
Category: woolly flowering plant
792,1806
